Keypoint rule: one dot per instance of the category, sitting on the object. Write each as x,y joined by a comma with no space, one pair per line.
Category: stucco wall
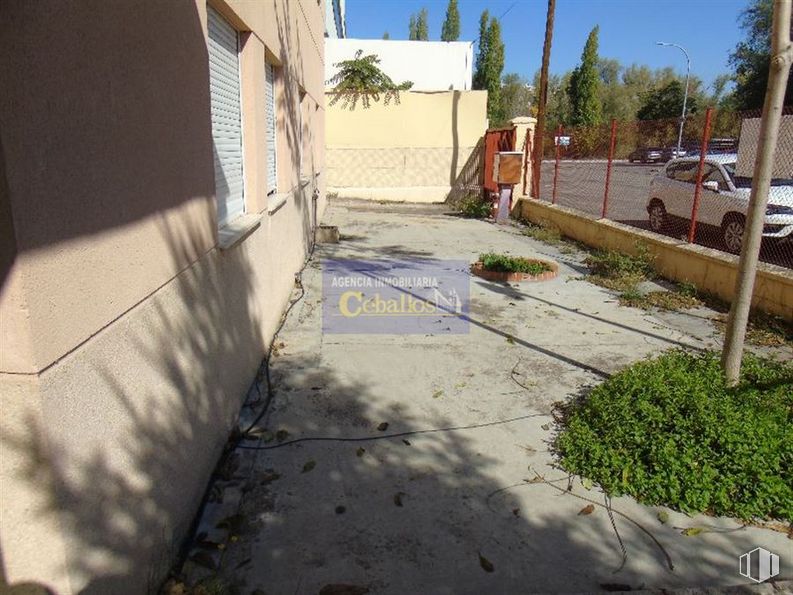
709,270
127,336
415,150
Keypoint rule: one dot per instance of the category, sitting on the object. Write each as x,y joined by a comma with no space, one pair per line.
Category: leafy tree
479,81
386,35
719,86
611,91
584,86
517,96
412,31
361,79
451,26
665,101
637,81
751,57
494,66
557,110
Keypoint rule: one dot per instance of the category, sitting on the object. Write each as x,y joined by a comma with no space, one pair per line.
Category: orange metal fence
496,140
633,172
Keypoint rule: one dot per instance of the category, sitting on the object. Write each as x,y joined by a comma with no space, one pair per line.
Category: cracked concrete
415,514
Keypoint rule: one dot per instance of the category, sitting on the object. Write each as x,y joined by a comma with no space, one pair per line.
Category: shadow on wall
125,499
8,249
455,138
136,419
292,103
86,117
469,180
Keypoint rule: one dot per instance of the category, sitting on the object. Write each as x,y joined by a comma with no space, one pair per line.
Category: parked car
716,146
646,155
723,201
670,153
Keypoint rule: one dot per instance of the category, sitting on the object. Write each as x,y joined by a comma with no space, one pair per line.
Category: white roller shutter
224,90
269,92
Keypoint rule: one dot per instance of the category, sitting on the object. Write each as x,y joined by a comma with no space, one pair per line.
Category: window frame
230,219
272,186
672,171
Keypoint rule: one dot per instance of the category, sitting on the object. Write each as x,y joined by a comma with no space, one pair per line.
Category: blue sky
708,29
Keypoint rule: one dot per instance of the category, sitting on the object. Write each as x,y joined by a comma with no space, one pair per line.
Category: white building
430,65
335,18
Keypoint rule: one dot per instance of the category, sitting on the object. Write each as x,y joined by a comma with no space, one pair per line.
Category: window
301,137
683,172
711,173
226,116
272,152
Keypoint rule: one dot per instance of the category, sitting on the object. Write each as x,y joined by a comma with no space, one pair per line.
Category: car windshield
746,182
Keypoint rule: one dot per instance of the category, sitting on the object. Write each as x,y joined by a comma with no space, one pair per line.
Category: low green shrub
663,300
687,289
512,264
473,207
618,271
542,233
614,265
668,431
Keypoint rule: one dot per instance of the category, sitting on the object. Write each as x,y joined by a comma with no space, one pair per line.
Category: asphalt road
580,185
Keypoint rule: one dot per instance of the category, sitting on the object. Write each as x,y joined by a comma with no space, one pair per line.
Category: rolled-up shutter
224,86
269,92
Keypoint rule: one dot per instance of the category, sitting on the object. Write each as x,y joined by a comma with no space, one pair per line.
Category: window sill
276,201
233,233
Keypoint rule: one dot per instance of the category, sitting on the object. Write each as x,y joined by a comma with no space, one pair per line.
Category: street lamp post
685,94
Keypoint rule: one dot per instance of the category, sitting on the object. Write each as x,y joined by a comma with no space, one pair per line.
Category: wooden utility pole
539,131
781,58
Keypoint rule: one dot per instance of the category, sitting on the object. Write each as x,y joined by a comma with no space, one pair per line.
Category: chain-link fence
692,184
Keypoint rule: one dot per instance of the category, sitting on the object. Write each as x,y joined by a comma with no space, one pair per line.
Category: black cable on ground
264,370
539,480
393,435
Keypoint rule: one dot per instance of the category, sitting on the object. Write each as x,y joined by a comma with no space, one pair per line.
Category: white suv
723,201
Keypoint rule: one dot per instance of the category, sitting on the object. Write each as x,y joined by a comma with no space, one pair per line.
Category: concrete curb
504,277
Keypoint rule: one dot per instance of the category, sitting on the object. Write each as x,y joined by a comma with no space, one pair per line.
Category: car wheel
732,233
657,216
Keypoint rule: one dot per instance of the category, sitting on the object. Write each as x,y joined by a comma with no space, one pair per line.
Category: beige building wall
416,150
130,325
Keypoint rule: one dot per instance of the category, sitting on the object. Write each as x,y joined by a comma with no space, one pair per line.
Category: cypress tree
494,66
584,83
451,26
479,81
422,28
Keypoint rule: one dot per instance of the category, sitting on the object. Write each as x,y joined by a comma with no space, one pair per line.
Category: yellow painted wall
709,270
415,150
421,119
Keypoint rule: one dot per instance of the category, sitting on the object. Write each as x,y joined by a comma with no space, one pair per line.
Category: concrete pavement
481,510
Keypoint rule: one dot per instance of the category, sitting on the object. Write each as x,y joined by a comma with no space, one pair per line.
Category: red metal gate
496,140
